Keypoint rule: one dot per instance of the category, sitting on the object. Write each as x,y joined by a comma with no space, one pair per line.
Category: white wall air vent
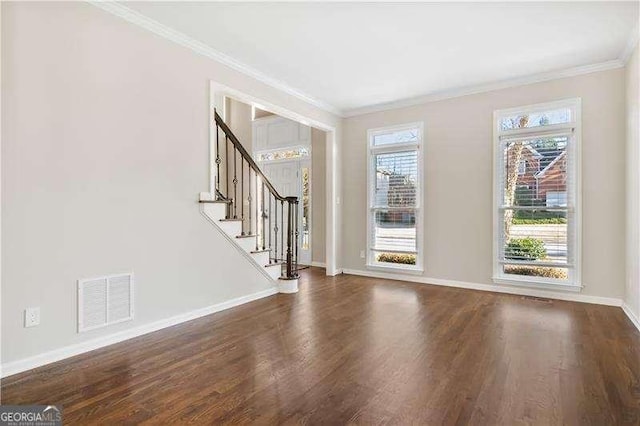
104,301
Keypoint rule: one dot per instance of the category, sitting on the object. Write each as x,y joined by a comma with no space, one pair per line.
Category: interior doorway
292,156
293,178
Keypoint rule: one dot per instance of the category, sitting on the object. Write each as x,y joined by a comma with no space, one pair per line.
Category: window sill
545,285
397,269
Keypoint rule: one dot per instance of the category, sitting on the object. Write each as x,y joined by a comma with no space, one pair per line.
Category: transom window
284,154
537,211
394,223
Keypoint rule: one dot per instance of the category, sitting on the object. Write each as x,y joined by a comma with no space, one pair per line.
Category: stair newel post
290,217
292,237
297,236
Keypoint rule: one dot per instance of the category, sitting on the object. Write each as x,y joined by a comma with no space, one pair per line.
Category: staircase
250,212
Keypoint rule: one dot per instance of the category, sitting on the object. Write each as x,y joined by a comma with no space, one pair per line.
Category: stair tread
215,201
230,220
261,251
274,264
246,236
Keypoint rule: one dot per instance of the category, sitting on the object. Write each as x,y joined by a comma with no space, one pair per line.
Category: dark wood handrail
220,122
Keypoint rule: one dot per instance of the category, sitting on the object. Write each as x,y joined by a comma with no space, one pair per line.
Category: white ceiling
355,55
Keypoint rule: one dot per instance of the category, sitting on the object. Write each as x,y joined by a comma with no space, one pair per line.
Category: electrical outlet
31,317
361,254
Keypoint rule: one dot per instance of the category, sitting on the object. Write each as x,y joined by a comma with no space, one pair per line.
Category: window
394,222
286,154
306,210
522,167
556,199
537,213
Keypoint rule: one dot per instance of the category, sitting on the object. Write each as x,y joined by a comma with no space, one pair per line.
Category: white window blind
394,188
537,207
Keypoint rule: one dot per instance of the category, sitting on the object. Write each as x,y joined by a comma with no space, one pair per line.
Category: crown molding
488,87
625,55
168,33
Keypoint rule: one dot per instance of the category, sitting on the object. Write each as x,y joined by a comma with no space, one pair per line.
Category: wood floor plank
355,350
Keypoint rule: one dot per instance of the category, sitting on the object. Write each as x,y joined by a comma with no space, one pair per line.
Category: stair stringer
213,213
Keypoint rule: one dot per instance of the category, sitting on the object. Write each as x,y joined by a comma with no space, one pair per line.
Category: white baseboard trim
319,264
634,319
334,272
522,291
25,364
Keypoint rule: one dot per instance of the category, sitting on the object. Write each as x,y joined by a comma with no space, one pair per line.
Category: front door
293,179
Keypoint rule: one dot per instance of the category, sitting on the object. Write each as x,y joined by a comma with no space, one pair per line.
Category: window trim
373,150
574,204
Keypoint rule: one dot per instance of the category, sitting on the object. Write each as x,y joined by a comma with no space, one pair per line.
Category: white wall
104,151
458,185
238,118
632,78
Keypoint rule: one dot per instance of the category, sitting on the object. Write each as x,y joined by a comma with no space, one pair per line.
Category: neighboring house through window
394,219
537,209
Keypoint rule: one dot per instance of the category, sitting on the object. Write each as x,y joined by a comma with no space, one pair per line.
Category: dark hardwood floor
360,350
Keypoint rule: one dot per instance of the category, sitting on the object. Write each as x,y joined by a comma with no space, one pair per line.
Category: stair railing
252,199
